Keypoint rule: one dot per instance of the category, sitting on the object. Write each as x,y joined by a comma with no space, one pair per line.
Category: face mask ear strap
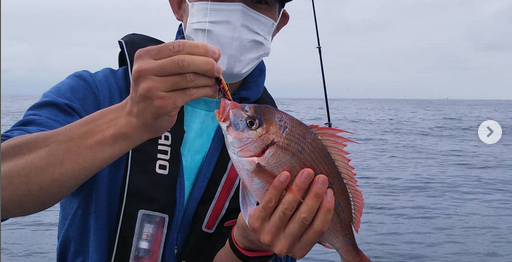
278,19
280,14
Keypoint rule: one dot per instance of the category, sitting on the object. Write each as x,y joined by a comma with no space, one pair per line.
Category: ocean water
433,191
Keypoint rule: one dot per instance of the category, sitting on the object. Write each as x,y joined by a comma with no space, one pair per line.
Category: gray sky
372,49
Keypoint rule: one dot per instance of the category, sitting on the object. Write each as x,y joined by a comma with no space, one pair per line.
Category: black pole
319,47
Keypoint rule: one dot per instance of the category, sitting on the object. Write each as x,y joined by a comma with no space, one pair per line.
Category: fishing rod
319,47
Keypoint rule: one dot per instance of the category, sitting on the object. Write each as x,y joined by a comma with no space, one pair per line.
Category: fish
263,141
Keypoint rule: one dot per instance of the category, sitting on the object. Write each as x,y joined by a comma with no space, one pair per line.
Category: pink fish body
263,141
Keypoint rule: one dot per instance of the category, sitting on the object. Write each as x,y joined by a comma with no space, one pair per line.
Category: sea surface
433,191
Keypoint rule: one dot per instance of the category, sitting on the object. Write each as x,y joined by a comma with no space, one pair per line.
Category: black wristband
248,256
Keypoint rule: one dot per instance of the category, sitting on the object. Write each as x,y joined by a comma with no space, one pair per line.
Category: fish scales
306,150
263,141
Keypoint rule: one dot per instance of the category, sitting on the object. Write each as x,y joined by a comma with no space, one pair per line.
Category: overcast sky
372,49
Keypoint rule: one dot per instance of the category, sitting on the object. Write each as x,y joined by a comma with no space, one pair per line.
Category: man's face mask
242,34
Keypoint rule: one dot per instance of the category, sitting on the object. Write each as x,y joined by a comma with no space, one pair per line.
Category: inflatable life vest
149,194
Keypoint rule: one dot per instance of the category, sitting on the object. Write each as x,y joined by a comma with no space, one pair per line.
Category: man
170,198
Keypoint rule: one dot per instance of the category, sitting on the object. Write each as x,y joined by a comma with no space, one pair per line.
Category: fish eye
252,123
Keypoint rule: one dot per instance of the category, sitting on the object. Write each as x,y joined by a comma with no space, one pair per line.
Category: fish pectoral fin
248,201
264,173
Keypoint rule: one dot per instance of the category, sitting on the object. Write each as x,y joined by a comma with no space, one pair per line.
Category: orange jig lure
223,88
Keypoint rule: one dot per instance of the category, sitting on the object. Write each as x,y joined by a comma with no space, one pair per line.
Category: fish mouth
222,114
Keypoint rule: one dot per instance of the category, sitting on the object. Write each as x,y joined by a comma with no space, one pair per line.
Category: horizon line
331,98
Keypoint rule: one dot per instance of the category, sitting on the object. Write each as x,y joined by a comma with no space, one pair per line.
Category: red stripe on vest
224,194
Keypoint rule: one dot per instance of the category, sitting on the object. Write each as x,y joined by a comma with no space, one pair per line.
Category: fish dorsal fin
335,144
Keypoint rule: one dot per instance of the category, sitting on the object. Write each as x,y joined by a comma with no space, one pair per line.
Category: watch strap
246,255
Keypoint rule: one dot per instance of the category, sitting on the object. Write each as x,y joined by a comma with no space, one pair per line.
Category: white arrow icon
490,132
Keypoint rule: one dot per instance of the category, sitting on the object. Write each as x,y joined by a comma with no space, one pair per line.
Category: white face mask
242,34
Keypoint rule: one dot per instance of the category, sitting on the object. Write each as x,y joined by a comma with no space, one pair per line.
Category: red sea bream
263,141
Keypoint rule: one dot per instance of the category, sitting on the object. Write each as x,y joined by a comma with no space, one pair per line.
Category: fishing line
319,47
206,37
207,22
223,87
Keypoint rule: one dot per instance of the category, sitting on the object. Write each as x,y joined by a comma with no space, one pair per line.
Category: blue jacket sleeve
72,99
77,96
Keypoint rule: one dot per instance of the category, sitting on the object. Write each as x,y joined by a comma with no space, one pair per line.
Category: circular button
489,132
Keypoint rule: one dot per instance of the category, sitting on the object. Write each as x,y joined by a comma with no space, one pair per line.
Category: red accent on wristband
230,223
249,253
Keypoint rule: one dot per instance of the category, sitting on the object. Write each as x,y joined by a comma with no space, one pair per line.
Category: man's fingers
182,47
304,216
166,102
184,64
264,211
183,81
186,95
283,227
290,201
318,227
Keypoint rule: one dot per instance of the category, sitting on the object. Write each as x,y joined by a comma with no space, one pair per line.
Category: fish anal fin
335,144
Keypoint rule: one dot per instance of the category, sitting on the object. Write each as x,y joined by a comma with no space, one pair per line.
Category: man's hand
167,76
39,170
283,228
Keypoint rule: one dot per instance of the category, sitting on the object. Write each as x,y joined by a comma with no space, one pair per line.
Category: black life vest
145,188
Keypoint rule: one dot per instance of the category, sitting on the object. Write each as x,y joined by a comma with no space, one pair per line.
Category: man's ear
285,18
177,8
